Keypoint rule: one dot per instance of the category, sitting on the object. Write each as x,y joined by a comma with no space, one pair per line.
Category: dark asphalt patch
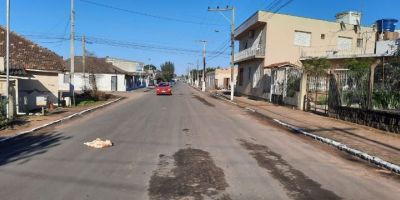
202,100
297,185
188,174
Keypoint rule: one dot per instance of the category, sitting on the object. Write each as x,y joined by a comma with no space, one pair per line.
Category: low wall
384,120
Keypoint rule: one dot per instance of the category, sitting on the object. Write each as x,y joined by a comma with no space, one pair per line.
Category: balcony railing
313,52
249,54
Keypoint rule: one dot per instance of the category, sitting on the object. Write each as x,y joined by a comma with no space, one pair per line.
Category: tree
167,70
149,67
357,82
316,66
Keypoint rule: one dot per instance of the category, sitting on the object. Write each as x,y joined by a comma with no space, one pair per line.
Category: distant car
163,88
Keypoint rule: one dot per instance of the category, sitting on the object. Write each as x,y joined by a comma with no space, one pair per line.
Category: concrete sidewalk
369,140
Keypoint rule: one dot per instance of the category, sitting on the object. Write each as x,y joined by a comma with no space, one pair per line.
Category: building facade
33,73
266,39
105,75
219,79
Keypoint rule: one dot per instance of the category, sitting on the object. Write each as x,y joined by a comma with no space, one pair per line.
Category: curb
60,120
372,159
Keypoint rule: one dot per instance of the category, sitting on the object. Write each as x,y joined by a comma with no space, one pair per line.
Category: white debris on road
99,143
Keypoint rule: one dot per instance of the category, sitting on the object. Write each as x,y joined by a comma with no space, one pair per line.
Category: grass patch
88,102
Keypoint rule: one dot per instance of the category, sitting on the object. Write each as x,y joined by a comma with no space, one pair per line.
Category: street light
232,21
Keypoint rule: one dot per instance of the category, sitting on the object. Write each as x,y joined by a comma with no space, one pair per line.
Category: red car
163,88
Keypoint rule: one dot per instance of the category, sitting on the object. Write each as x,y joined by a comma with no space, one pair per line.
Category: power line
123,44
217,55
147,14
273,4
280,8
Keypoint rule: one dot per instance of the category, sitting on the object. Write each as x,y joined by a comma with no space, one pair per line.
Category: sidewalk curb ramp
372,159
61,120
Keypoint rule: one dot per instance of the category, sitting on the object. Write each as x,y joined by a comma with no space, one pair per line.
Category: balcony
332,52
248,54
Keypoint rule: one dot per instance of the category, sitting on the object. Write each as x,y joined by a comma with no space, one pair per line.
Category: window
359,42
241,76
323,36
344,43
302,38
66,78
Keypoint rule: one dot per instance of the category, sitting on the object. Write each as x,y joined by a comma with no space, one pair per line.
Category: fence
285,85
353,87
386,92
368,99
317,94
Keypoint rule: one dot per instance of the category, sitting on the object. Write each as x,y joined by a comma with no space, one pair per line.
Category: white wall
387,47
126,65
103,82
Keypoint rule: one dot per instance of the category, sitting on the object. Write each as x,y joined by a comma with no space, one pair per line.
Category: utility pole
72,54
191,73
232,36
203,85
198,75
84,60
8,58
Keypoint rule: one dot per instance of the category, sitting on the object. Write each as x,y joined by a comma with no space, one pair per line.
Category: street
185,146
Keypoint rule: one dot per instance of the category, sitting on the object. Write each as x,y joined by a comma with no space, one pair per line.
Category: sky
155,31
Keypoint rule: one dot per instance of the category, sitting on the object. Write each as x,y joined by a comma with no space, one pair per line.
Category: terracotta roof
27,55
281,64
94,65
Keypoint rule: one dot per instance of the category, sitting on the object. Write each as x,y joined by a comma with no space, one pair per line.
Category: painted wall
126,65
281,30
103,82
278,39
38,84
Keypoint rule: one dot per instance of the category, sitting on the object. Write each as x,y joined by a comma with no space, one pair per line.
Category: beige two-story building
266,40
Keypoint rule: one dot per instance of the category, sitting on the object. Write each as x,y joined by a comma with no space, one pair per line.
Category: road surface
185,146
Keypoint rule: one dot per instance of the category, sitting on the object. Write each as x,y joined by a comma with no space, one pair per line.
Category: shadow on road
26,146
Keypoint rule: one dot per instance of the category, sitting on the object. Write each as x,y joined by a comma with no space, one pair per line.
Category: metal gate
317,94
113,83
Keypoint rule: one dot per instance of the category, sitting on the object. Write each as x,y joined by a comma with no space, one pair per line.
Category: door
226,83
113,83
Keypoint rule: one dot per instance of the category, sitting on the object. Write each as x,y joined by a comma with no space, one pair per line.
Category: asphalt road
184,146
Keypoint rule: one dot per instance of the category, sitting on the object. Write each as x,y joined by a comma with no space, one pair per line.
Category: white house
140,79
107,77
33,73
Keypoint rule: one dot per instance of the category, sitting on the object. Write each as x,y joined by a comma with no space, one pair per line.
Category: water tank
386,25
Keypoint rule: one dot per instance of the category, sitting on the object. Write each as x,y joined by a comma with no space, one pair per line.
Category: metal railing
250,53
332,52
